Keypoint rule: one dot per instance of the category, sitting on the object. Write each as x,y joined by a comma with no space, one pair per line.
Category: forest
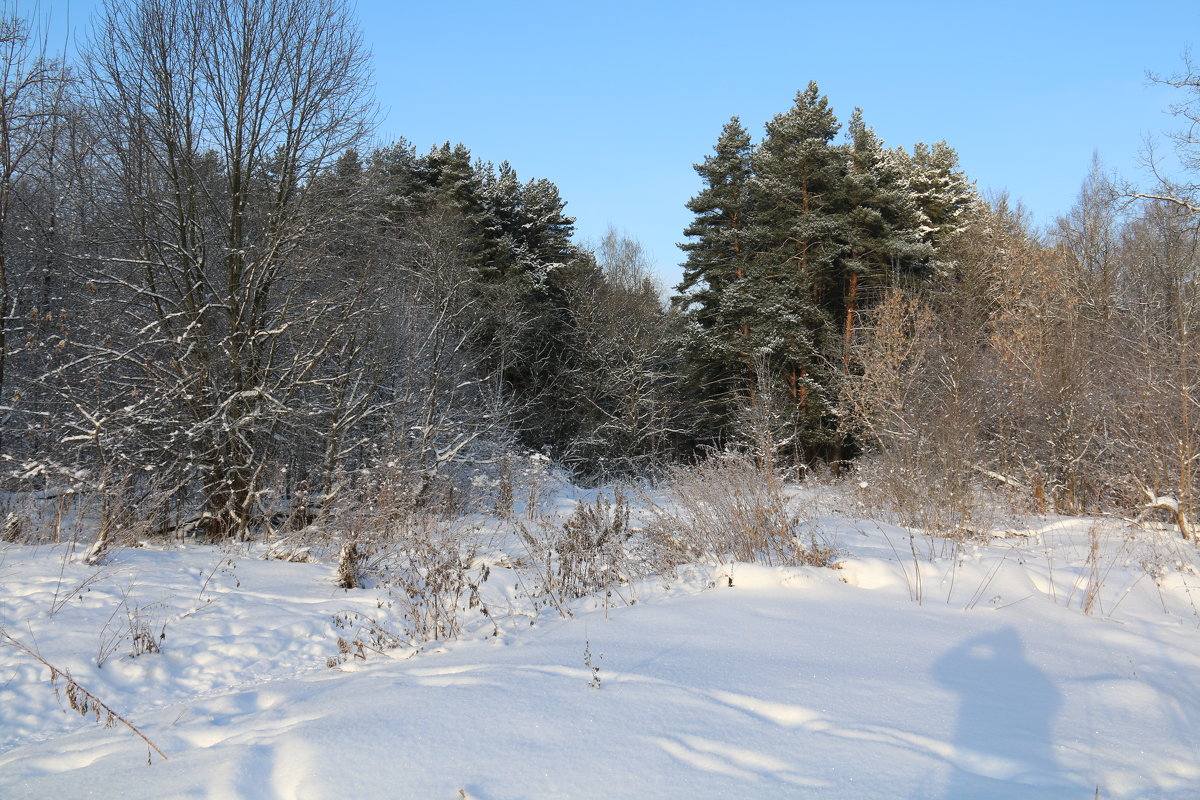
228,310
333,466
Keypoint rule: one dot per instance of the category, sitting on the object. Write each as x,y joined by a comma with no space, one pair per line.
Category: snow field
921,669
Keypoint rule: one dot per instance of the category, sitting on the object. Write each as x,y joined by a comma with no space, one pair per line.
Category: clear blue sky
614,101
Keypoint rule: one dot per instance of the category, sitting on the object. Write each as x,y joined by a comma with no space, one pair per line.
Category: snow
1059,661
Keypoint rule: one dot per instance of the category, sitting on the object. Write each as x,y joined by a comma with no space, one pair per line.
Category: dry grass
82,701
729,508
421,554
585,554
940,500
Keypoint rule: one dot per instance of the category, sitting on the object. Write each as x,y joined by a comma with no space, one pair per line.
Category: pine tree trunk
851,305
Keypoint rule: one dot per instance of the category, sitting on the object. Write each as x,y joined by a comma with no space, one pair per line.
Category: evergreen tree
791,242
453,181
945,195
800,234
884,243
533,324
502,199
718,263
543,229
719,254
394,179
455,185
798,180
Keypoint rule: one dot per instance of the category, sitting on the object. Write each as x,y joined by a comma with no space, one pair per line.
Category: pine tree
543,229
943,192
719,254
452,180
791,242
884,242
798,182
718,262
800,235
502,200
393,176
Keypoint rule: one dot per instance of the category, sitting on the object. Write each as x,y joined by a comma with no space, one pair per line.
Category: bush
586,554
728,507
925,497
421,553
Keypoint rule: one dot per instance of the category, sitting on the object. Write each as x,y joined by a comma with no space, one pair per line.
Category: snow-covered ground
1060,661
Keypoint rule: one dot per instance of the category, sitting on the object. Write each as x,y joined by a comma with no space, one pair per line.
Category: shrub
421,553
728,507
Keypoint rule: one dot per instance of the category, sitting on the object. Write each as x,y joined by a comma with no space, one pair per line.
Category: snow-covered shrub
112,507
15,526
585,554
425,567
429,571
350,563
591,549
362,634
728,507
49,515
130,508
933,499
421,554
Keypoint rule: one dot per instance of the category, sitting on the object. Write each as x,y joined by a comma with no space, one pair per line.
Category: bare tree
1180,193
410,393
1162,271
446,407
31,89
1160,341
220,115
623,388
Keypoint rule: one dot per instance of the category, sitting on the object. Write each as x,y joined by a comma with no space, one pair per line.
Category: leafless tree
32,84
1180,192
626,415
219,118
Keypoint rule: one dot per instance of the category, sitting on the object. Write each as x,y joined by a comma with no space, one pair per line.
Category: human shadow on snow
1003,741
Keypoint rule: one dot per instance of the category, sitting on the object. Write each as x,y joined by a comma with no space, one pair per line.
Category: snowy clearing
921,668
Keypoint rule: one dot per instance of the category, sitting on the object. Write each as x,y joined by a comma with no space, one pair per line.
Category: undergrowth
729,508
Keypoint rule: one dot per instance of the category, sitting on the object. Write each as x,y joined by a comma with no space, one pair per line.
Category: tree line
794,240
221,298
844,299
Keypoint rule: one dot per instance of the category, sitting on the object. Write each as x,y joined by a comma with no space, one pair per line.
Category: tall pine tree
799,234
792,241
719,256
884,241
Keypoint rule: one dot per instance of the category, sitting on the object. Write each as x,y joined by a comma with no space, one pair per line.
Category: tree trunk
851,305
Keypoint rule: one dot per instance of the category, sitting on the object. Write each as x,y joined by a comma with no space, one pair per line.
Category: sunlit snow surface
921,669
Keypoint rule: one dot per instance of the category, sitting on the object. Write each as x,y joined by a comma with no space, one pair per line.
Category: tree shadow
1003,742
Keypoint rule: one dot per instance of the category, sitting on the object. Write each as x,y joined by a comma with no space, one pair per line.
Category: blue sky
614,101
